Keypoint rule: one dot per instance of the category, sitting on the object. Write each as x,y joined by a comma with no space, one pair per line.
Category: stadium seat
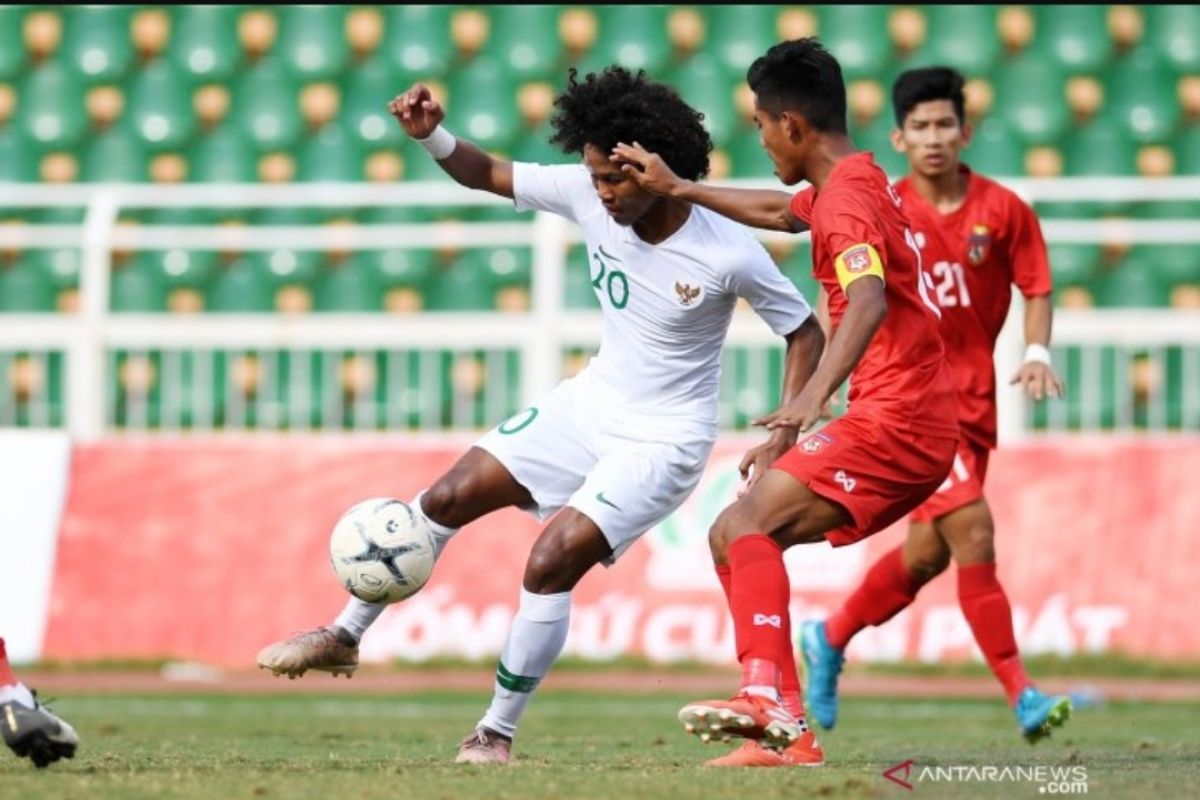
17,161
1141,93
457,287
346,287
204,42
1075,37
418,40
12,48
50,111
369,89
96,43
312,44
399,267
578,293
634,37
534,147
524,39
1187,151
265,106
858,36
329,155
181,268
1030,98
1174,32
225,155
501,266
1102,147
747,156
160,108
994,151
241,286
877,137
419,165
60,267
481,106
799,269
739,34
961,36
138,286
1174,264
116,155
1074,264
706,86
24,288
1135,282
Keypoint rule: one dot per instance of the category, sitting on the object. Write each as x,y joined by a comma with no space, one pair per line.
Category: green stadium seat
17,156
747,157
61,267
96,42
369,89
419,165
312,43
1174,31
224,156
1187,151
24,288
1173,263
204,42
799,268
1075,37
877,137
994,150
1135,283
12,48
1030,98
160,107
739,34
960,36
1141,93
858,37
481,104
138,286
50,112
242,286
1102,147
1074,264
457,287
524,39
578,292
706,86
180,268
287,266
329,154
347,287
115,156
266,107
418,40
634,37
400,267
534,147
500,266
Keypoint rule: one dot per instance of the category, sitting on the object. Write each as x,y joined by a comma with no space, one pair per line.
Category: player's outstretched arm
1036,376
758,208
421,116
866,309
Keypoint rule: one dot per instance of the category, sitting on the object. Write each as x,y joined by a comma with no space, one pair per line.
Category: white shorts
568,449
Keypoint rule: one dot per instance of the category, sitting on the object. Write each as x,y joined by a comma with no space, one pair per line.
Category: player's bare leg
970,534
570,546
476,485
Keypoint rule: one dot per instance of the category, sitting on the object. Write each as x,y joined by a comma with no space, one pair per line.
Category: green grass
572,745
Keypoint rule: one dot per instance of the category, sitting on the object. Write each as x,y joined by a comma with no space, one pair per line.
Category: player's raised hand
1039,381
646,168
416,110
760,457
801,412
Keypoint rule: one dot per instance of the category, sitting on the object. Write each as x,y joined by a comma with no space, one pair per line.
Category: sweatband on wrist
439,144
1037,352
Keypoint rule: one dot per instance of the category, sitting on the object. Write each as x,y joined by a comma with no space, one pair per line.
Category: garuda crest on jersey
687,294
978,243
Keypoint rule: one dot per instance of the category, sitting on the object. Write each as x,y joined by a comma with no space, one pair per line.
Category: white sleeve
770,293
561,189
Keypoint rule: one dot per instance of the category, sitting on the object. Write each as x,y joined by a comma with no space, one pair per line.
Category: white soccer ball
381,551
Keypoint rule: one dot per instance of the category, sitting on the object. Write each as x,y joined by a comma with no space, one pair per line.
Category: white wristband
1037,352
439,144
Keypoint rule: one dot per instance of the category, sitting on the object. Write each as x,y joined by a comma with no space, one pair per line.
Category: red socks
6,676
887,589
986,608
759,598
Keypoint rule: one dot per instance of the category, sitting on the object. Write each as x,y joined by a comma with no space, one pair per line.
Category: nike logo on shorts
600,497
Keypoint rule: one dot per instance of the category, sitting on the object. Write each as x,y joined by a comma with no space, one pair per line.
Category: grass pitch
573,744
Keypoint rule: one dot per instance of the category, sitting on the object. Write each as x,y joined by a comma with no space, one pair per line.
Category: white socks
357,616
17,692
535,639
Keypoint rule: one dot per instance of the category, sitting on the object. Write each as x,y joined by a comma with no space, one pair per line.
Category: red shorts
877,473
963,486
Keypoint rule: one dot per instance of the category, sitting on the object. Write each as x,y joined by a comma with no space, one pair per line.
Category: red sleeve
802,205
1027,251
845,220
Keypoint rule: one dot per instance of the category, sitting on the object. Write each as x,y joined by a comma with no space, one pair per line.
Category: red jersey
858,229
974,254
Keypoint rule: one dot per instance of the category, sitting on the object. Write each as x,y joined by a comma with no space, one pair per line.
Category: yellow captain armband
857,262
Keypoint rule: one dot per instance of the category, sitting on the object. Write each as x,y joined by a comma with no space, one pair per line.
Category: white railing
541,334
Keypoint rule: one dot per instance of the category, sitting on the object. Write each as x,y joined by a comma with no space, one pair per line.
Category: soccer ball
381,551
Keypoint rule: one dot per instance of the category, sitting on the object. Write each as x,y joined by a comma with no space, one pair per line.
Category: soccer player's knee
546,570
443,501
927,566
975,546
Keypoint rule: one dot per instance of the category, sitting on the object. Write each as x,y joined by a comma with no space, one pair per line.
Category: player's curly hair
615,105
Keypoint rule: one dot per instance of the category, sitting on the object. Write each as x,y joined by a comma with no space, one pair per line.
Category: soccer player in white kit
613,451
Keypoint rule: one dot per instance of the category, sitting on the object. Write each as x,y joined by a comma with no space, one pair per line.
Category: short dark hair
916,86
615,105
801,75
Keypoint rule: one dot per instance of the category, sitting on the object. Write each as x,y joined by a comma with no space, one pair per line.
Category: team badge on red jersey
858,259
978,243
816,443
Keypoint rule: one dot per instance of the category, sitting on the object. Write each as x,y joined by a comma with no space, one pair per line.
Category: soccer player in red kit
896,443
977,239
